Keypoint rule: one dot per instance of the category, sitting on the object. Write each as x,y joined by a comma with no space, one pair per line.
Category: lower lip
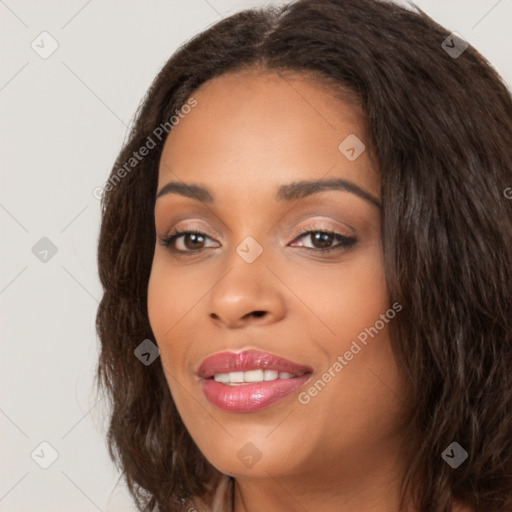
250,397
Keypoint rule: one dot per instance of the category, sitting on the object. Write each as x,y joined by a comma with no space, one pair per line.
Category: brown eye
323,240
196,241
188,241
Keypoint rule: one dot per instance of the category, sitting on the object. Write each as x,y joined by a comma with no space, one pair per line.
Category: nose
247,294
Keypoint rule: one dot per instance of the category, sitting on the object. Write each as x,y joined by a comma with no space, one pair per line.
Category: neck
362,487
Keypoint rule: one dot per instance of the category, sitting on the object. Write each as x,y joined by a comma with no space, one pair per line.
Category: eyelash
345,242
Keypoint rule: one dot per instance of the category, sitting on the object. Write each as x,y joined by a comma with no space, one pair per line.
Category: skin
251,132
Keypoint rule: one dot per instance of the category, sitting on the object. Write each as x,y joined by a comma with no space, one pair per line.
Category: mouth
250,380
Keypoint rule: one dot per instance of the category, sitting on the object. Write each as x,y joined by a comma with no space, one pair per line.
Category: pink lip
251,396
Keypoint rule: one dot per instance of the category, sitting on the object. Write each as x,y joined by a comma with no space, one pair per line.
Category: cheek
346,297
172,293
160,300
168,298
364,297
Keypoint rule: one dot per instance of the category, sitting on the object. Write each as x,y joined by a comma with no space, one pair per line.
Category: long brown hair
440,127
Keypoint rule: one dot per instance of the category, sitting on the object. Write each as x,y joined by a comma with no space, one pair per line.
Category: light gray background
63,120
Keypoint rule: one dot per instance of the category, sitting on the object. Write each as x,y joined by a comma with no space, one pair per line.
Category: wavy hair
440,129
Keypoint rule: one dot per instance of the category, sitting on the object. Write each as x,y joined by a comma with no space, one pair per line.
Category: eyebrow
289,192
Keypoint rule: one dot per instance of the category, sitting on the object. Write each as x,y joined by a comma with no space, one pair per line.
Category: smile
251,380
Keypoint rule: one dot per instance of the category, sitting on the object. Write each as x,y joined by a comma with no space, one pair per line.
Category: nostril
258,313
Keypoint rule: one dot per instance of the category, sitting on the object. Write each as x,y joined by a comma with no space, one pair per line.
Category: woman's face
251,281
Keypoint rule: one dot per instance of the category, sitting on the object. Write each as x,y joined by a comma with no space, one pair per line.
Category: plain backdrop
63,120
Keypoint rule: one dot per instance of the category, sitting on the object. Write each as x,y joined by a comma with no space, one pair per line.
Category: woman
306,259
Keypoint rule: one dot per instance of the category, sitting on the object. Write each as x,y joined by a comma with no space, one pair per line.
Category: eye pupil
195,238
325,239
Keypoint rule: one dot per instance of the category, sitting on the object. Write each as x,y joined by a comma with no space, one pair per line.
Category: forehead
259,127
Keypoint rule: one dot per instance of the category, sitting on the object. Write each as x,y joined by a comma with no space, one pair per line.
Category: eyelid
194,225
322,226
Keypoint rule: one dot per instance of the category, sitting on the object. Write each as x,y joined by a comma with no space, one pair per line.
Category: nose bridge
248,290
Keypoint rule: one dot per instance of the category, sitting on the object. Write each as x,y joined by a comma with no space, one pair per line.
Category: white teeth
271,374
253,376
236,378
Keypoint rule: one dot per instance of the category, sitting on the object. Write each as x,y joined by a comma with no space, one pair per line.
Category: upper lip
226,362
